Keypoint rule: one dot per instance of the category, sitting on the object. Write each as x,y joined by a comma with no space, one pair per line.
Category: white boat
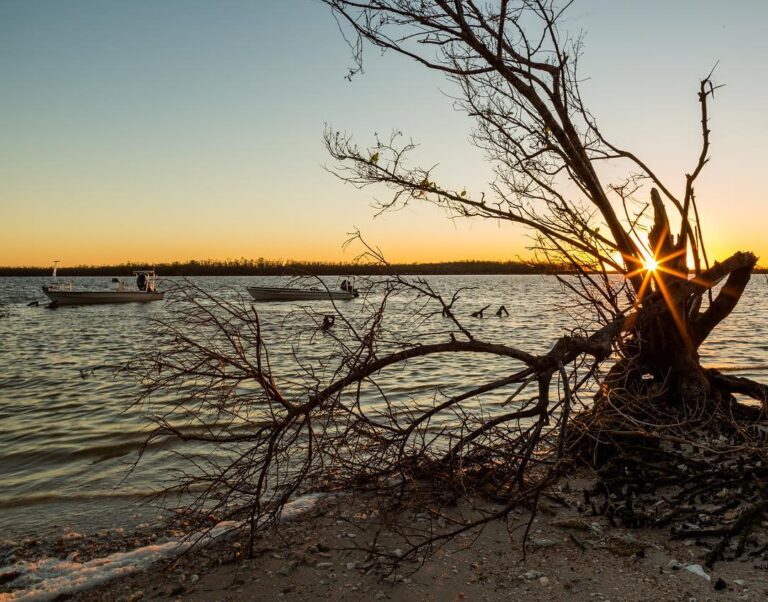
345,292
60,297
66,294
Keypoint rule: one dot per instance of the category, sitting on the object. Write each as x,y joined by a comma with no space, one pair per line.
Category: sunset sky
158,131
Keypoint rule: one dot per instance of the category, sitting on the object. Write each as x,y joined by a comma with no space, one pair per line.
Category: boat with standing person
66,294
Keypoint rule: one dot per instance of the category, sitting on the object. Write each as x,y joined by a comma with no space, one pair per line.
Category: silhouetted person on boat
141,281
348,287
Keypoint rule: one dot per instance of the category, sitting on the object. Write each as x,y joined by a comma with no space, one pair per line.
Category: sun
651,264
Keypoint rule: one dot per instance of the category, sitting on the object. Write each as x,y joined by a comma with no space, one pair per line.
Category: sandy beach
317,555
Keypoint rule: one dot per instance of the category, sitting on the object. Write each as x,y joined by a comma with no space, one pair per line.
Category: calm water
67,443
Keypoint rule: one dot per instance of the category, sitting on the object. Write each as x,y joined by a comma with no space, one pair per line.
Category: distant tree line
266,267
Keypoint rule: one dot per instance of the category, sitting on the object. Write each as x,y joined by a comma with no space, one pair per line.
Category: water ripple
65,439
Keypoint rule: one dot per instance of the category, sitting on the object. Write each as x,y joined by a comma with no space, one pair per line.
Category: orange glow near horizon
100,249
439,241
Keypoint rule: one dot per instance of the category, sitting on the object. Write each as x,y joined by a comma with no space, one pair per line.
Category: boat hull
264,293
101,297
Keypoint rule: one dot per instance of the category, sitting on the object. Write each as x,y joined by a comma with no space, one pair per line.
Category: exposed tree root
704,476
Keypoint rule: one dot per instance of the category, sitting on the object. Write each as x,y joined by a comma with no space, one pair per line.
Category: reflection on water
67,443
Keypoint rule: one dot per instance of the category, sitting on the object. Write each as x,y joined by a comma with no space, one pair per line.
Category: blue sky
154,131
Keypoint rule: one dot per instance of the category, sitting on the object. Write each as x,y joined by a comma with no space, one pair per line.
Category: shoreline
319,553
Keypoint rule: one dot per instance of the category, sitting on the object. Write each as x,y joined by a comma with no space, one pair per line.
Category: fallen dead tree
623,391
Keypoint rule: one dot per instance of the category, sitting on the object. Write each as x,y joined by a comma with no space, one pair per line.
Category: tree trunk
666,352
661,353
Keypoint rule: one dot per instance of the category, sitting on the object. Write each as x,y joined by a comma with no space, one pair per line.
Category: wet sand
570,556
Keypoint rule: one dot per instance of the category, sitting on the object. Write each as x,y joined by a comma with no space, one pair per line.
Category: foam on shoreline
46,578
